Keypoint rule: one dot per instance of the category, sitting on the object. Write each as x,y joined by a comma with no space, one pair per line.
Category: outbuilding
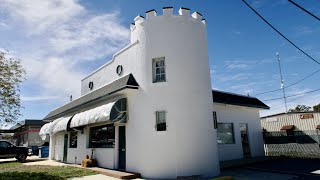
294,134
151,108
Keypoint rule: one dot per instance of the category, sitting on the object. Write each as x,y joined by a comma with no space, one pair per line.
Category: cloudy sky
61,41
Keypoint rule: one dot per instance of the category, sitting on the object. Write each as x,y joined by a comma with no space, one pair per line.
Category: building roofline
283,113
253,103
125,82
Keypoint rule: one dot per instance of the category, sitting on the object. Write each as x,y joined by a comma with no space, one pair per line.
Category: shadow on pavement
302,168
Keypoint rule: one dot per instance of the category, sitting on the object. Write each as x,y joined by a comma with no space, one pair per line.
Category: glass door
245,140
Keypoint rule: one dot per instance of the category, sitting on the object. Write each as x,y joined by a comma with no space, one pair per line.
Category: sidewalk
103,173
94,177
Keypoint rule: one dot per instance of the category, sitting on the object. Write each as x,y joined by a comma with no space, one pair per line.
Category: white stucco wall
105,156
237,115
58,146
185,96
189,146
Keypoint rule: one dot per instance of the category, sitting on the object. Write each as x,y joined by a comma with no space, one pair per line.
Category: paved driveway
286,169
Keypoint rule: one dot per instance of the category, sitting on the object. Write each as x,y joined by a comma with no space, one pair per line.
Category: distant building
292,134
26,133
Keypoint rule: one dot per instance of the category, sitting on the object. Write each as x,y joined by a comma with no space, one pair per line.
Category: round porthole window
90,85
119,69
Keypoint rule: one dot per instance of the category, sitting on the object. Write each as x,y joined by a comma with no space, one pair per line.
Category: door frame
248,139
122,151
65,147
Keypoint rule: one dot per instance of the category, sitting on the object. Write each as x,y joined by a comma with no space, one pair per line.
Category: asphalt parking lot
277,169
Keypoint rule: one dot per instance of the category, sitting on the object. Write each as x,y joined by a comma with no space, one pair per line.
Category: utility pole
282,83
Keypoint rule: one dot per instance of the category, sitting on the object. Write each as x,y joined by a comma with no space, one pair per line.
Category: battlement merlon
167,11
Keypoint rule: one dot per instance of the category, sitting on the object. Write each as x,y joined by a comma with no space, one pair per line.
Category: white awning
91,116
61,124
113,112
47,129
44,130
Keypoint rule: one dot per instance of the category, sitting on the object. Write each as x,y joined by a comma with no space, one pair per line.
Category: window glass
73,139
225,134
215,122
161,124
102,137
158,71
4,144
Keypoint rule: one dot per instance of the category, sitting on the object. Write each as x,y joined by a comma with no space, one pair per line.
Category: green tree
300,108
316,107
11,76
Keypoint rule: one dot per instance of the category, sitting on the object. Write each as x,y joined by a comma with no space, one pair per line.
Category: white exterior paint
189,145
58,147
237,115
105,156
182,41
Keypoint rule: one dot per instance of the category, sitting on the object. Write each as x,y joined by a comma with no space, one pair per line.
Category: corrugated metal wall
275,123
305,141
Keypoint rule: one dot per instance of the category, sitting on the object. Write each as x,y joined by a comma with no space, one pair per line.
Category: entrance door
245,140
122,148
65,148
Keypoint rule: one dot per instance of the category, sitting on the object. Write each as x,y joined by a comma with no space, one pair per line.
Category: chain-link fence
303,144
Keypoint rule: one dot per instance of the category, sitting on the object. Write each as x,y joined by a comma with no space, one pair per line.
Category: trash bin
43,152
35,150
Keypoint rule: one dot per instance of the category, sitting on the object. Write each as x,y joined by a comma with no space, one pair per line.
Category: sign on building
306,116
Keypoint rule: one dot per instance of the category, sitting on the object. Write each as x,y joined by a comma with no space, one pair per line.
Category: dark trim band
151,11
185,8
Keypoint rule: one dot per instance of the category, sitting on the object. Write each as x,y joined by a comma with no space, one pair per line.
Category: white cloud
41,15
234,77
53,37
238,64
3,26
38,98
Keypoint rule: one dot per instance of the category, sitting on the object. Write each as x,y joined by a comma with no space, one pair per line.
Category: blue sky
60,42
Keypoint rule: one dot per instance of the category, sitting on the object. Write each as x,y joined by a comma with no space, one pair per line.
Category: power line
304,10
308,92
280,33
279,105
315,72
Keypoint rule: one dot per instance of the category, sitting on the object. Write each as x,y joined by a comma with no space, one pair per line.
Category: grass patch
10,171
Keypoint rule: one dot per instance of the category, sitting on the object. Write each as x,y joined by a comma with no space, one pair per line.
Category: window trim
158,121
215,120
233,134
70,135
154,72
100,126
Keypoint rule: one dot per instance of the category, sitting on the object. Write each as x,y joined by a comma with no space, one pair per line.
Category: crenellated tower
188,146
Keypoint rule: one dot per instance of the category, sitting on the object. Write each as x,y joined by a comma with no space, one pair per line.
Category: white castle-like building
151,109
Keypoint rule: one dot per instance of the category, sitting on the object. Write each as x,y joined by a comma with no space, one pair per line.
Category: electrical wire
315,72
308,92
280,33
304,10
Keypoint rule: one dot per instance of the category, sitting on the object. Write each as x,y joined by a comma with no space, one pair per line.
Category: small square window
158,70
161,124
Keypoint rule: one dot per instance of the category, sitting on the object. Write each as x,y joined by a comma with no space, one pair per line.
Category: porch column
52,141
